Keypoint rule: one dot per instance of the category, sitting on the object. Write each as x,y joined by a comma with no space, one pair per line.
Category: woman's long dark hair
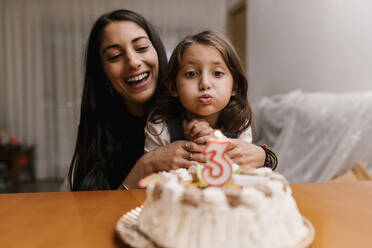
237,115
103,114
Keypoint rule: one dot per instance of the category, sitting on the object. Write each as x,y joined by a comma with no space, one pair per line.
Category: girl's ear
171,88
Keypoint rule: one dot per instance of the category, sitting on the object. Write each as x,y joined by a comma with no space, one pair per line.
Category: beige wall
317,45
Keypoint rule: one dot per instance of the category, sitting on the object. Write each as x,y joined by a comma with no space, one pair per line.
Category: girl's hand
246,154
198,128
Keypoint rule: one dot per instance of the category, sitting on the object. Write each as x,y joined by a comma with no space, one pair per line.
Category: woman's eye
190,74
114,58
142,48
218,73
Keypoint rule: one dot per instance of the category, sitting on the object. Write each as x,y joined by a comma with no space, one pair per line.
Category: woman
125,61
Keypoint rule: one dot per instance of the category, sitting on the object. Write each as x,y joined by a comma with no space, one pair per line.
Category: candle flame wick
218,134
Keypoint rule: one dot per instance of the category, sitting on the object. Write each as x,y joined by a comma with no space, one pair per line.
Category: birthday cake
218,204
256,209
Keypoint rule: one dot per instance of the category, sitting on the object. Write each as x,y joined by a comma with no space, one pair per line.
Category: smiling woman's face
130,63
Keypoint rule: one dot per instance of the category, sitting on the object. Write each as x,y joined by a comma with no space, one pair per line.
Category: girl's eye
190,74
114,58
218,73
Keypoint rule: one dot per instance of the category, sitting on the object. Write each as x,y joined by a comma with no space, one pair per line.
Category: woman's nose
133,60
205,82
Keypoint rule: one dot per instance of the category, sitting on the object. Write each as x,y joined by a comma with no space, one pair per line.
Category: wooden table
340,212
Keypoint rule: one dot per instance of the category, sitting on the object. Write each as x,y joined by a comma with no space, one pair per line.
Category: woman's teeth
137,79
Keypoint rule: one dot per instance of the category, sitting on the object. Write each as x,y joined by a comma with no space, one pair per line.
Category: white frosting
214,195
181,172
235,167
267,216
247,180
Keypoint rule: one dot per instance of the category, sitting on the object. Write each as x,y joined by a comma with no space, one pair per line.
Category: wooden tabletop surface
340,212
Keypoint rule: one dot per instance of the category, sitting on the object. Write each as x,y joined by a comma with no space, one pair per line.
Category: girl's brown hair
236,116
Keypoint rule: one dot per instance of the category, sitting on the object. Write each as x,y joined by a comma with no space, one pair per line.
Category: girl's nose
133,60
205,82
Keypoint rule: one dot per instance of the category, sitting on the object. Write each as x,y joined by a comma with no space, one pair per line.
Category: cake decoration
219,168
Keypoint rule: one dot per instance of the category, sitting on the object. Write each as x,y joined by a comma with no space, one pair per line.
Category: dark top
132,149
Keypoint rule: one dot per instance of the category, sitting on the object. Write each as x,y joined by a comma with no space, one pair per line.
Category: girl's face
204,84
130,63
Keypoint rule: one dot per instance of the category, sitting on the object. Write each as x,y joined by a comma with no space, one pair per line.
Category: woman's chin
142,97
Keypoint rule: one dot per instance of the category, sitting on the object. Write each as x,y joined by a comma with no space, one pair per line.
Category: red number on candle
218,169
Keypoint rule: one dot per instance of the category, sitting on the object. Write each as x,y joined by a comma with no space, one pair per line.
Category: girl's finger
202,140
233,144
205,132
189,127
198,128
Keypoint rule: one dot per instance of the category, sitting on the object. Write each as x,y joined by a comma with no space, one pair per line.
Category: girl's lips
206,99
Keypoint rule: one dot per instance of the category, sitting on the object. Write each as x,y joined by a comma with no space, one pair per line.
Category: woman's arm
246,154
161,155
242,151
165,158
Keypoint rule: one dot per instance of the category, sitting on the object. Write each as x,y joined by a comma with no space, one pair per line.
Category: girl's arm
156,135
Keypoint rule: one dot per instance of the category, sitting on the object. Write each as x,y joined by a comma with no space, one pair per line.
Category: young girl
204,89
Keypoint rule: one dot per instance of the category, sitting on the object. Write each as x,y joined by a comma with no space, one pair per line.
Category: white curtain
41,67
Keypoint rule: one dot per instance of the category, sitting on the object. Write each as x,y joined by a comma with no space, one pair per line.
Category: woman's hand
173,156
241,152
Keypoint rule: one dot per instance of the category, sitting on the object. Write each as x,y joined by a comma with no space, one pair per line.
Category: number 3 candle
218,169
